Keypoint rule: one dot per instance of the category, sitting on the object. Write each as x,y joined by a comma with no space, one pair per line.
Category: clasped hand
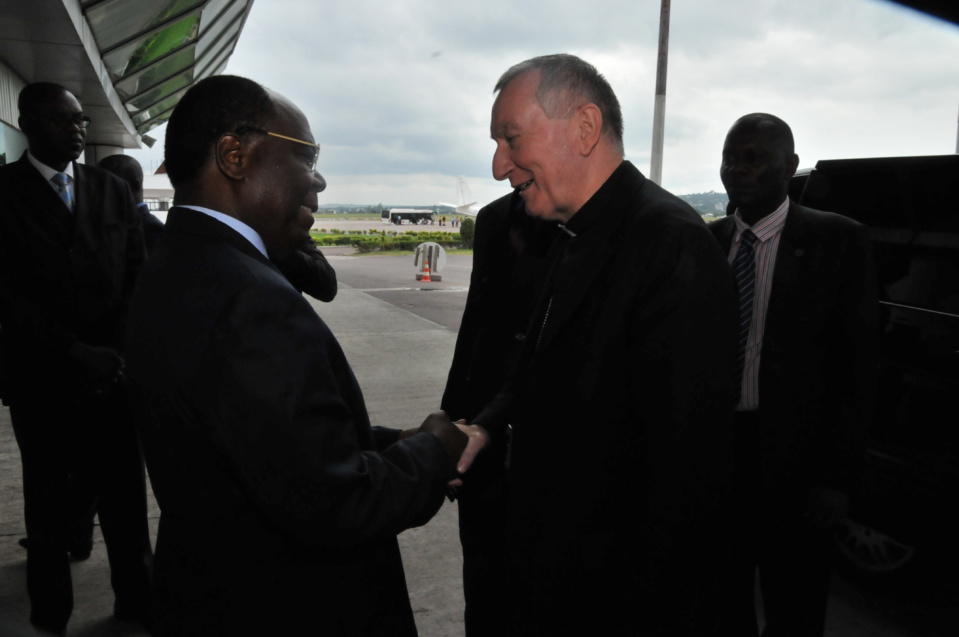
462,442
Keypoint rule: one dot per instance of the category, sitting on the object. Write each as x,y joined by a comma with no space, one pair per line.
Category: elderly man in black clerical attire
613,434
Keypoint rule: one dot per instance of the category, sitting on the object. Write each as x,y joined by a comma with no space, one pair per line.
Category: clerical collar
596,205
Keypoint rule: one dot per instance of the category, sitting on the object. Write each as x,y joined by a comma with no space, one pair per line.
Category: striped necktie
744,267
60,180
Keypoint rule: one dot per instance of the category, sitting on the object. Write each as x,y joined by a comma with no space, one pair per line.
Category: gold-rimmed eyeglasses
315,146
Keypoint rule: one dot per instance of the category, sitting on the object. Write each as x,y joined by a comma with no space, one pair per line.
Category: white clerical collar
248,233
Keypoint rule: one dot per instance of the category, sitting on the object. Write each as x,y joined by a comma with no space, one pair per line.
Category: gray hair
567,82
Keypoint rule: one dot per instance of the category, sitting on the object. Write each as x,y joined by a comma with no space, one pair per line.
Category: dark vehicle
903,511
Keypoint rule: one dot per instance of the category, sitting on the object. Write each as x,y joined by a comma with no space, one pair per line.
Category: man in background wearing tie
71,247
806,363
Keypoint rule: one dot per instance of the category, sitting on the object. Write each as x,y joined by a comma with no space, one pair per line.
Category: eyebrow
502,129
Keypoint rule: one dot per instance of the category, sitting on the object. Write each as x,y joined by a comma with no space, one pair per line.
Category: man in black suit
70,249
807,370
509,259
129,170
614,429
279,503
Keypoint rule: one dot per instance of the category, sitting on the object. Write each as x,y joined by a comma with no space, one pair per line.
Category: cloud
399,93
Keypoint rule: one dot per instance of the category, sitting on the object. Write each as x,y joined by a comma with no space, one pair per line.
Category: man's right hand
478,441
104,364
454,441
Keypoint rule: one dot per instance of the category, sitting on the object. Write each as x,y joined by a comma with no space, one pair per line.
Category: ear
792,163
589,123
25,123
231,156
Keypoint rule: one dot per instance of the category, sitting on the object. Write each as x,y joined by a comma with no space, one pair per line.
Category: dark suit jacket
818,360
509,256
63,277
277,514
152,226
620,456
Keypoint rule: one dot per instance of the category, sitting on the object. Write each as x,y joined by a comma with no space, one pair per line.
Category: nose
319,184
502,164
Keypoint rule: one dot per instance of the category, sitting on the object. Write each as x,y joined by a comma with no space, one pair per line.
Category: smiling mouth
523,186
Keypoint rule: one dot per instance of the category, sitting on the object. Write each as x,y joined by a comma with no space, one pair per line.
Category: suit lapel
790,268
46,211
576,272
84,211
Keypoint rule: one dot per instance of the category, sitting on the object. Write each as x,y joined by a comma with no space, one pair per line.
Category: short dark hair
212,107
123,166
126,168
777,128
36,95
566,82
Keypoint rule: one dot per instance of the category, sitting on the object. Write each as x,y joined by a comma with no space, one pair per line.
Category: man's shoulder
827,226
719,226
654,207
101,179
14,171
652,201
823,217
495,208
194,241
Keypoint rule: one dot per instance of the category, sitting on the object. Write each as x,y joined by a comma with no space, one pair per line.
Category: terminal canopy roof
129,61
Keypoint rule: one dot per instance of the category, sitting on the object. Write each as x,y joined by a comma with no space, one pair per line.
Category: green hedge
386,240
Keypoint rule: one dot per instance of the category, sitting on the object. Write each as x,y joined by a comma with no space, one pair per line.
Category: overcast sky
399,93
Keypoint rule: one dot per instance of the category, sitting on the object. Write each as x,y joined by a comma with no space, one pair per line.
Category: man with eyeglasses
279,503
71,247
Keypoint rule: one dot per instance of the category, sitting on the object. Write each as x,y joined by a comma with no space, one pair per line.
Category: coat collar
190,222
578,257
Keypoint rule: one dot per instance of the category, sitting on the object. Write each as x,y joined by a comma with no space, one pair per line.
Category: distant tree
467,231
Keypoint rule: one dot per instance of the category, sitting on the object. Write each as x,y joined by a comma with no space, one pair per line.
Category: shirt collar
48,172
246,231
768,226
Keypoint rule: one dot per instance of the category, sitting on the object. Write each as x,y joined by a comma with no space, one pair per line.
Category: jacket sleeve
289,422
851,361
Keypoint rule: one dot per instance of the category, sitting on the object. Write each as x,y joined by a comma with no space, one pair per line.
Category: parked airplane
462,197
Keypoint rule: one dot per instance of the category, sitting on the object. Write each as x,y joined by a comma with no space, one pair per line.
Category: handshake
462,442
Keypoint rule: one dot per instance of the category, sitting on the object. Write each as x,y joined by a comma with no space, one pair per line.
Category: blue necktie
744,267
61,180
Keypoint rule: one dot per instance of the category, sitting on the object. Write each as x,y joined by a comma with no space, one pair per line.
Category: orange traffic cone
426,272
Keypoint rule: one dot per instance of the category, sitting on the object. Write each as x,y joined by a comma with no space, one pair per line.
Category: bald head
212,107
758,161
